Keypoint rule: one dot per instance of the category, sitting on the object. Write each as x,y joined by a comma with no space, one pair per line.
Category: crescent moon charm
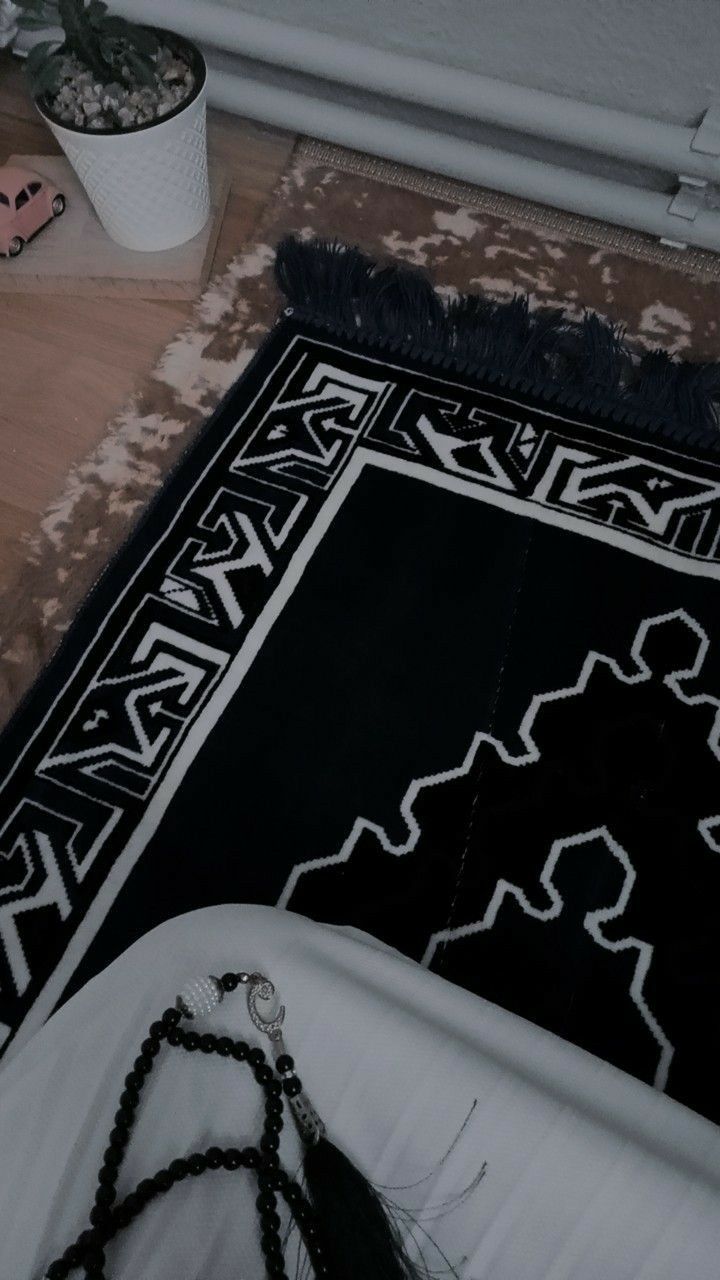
261,988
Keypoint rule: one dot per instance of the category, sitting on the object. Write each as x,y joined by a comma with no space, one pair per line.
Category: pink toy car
27,202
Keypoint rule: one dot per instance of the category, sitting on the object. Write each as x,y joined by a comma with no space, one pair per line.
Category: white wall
652,57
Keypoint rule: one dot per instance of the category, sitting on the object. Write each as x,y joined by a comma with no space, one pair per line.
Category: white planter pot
148,185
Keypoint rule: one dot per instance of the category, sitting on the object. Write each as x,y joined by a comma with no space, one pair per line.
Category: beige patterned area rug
462,239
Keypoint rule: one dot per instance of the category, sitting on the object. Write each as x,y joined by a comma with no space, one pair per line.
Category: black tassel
471,323
400,303
527,339
594,357
325,277
542,351
697,397
360,1239
653,389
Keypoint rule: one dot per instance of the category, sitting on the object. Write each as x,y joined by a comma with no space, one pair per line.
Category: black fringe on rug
585,365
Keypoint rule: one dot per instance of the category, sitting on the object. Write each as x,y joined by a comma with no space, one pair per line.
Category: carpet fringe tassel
584,365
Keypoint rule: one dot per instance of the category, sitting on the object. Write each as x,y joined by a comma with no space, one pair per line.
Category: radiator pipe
455,157
645,141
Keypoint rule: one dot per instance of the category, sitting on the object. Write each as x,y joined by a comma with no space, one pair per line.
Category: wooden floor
66,364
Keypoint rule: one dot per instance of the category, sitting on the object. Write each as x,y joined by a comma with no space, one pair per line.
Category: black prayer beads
110,1215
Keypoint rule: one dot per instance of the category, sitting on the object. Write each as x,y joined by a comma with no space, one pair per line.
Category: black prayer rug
421,636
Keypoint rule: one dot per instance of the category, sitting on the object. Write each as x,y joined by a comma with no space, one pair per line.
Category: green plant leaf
47,78
33,22
39,55
111,51
96,21
143,40
115,26
34,6
142,69
38,13
139,37
80,37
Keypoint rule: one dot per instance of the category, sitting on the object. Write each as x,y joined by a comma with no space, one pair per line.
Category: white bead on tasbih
200,996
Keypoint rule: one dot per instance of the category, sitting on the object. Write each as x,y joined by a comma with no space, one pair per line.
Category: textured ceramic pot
148,184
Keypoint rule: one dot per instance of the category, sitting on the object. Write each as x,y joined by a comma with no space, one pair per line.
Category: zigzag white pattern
641,673
706,825
593,923
595,919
